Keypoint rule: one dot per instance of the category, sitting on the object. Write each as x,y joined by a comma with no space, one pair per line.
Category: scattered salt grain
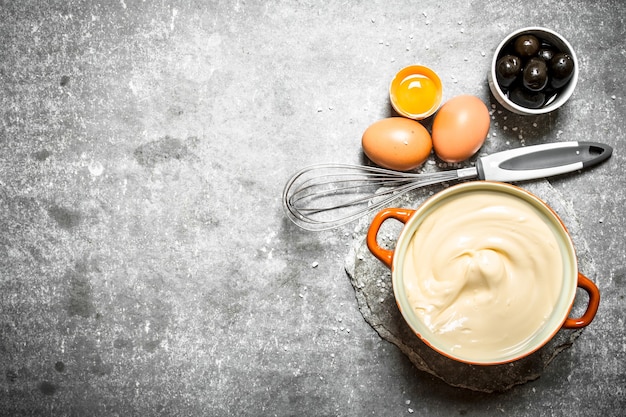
95,168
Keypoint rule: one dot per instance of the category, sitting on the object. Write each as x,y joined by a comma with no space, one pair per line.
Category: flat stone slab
372,284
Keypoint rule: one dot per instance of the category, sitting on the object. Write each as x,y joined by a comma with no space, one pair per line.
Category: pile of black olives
532,71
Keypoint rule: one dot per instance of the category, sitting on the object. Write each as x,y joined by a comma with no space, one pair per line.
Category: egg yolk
416,94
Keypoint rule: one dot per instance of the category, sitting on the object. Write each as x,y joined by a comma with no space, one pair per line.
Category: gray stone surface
146,266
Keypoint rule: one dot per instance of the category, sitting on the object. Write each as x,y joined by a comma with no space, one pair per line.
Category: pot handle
385,255
592,307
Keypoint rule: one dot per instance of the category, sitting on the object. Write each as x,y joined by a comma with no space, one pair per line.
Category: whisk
326,196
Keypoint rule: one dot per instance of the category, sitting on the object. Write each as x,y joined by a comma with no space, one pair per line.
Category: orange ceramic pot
526,287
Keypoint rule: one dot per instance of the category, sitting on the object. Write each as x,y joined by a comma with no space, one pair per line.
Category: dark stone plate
372,284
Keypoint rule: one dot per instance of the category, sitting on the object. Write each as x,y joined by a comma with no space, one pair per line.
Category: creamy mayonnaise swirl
483,272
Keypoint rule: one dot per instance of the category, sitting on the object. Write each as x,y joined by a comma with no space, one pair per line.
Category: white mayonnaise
483,272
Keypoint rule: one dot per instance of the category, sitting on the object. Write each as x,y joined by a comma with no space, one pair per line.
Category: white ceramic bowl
564,94
545,328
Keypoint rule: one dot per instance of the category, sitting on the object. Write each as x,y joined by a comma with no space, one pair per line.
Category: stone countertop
146,266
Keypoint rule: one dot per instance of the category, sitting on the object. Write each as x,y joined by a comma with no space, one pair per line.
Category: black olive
546,53
528,99
526,46
507,69
535,75
561,69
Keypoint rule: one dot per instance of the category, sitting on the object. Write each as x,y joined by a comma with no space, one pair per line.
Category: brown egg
460,128
397,143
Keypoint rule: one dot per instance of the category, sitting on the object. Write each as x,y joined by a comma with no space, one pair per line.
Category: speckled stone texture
146,265
372,283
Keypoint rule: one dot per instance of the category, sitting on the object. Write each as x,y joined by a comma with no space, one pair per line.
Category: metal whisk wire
325,196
